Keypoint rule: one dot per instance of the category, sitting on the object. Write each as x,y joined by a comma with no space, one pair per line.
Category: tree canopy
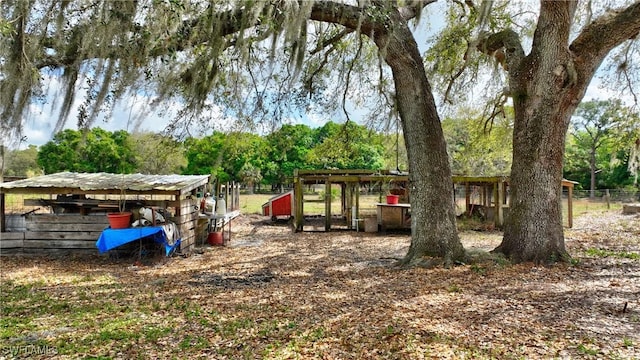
21,162
600,143
96,150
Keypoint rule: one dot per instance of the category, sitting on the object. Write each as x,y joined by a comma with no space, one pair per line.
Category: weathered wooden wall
73,233
55,234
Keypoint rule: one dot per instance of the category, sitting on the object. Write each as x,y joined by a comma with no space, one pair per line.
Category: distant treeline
270,160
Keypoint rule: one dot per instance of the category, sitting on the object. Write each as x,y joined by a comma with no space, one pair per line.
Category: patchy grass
585,206
328,296
611,253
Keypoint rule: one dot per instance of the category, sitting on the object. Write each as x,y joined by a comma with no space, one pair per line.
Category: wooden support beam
3,221
343,199
570,206
499,220
467,197
485,196
347,202
357,193
298,203
327,205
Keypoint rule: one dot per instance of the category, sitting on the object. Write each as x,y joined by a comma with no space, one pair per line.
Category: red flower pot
119,220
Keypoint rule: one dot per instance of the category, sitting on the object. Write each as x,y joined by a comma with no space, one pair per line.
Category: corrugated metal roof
108,183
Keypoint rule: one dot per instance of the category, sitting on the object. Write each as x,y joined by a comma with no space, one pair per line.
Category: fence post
607,198
570,206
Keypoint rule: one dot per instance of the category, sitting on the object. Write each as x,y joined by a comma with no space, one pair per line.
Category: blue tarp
112,238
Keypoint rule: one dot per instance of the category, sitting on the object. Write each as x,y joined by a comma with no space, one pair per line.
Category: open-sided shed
350,181
78,202
491,193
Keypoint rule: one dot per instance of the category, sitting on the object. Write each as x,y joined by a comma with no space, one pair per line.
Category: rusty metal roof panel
96,182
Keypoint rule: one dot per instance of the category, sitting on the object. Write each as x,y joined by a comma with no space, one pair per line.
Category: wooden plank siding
71,233
11,243
48,234
74,233
186,218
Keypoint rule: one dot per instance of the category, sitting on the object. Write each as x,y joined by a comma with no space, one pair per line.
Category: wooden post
499,199
504,193
3,223
467,198
496,199
327,205
298,207
347,202
570,206
237,192
486,192
343,199
357,193
235,201
226,196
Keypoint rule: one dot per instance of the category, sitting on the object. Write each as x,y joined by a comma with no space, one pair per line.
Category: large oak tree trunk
433,221
543,87
533,229
547,85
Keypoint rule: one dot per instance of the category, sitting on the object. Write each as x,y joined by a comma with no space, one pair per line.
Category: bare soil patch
277,294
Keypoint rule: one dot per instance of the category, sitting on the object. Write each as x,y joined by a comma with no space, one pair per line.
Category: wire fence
607,195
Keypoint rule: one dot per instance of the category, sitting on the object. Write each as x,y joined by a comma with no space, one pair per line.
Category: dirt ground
275,294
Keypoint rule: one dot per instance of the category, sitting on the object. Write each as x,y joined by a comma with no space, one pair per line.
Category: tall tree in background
158,154
288,146
226,156
602,145
594,123
346,146
246,156
22,162
95,150
206,156
612,162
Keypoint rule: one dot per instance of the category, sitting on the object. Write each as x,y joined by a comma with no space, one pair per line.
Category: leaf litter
275,294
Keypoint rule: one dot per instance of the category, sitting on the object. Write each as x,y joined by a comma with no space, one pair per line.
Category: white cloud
315,120
599,91
133,113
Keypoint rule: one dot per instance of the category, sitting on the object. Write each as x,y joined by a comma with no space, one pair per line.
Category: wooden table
394,216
